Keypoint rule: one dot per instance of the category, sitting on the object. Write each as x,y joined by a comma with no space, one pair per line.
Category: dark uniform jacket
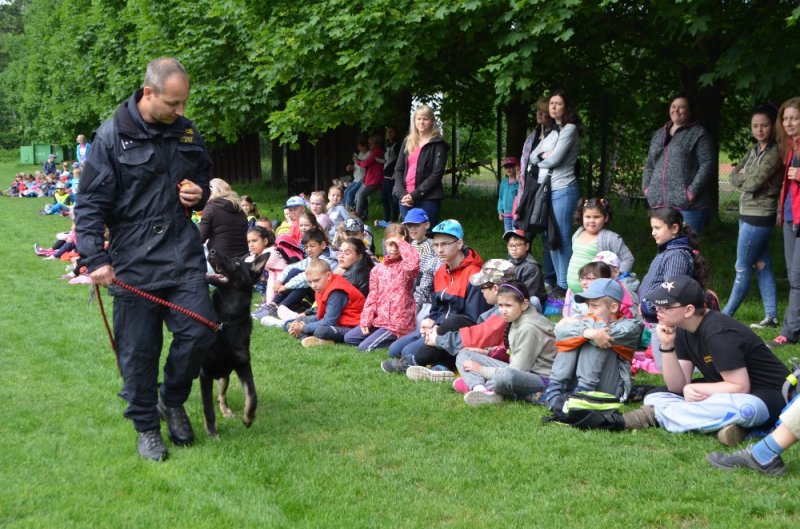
130,183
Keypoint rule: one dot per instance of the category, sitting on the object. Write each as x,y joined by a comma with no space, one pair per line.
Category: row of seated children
465,309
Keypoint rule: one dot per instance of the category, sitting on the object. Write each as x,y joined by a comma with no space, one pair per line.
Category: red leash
155,299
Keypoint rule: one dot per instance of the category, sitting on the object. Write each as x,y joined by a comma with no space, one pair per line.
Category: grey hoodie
679,168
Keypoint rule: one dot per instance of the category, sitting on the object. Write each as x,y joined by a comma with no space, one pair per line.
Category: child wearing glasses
528,270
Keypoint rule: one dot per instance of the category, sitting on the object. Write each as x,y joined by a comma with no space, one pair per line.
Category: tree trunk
277,173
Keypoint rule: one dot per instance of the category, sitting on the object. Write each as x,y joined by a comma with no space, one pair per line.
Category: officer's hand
103,276
189,193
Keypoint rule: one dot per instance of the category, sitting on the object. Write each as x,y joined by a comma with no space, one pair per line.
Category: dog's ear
258,264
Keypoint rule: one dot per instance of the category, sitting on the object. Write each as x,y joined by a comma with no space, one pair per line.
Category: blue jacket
674,258
505,200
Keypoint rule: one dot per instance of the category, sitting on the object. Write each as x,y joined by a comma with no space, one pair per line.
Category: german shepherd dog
234,280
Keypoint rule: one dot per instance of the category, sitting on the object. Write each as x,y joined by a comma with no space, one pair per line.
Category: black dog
234,280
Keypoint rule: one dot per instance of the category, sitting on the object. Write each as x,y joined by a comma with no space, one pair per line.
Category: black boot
178,424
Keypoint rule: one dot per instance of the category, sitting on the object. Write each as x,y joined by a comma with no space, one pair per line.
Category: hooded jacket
390,303
130,183
678,169
224,226
453,293
758,177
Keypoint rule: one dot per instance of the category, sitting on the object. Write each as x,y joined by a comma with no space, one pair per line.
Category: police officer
147,169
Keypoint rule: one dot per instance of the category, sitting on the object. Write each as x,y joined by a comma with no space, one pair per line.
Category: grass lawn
337,442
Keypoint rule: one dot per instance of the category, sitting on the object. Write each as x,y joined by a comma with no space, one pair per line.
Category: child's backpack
588,410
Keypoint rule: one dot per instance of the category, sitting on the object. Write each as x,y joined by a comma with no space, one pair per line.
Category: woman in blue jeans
758,177
556,156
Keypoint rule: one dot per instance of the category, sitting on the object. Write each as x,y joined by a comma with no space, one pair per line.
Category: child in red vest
339,306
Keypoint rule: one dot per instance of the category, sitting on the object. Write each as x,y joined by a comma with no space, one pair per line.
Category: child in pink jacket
389,311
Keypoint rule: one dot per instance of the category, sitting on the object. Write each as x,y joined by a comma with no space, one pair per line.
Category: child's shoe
769,322
478,397
460,386
431,375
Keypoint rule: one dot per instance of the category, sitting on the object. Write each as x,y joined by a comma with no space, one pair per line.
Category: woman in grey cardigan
679,165
758,177
557,155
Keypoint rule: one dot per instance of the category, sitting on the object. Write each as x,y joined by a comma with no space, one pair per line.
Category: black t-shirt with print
722,343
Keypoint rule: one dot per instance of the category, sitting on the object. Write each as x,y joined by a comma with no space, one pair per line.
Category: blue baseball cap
601,288
416,216
449,227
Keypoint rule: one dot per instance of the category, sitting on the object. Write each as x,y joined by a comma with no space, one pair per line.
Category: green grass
337,442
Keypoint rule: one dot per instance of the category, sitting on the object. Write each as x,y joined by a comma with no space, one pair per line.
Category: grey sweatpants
507,380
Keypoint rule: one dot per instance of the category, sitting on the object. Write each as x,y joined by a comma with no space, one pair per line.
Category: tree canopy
289,68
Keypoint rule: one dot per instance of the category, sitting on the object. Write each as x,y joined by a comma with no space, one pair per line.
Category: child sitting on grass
529,342
389,309
339,306
528,270
594,352
292,287
587,274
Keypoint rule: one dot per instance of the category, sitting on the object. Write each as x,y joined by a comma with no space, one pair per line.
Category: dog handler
148,168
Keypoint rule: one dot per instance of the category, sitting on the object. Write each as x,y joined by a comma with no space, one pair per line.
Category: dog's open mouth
217,279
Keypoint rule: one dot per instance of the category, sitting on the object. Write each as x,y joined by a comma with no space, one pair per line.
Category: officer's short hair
161,69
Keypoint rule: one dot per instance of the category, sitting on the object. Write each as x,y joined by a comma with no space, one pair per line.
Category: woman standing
544,124
224,224
82,149
679,165
556,156
420,167
788,137
758,177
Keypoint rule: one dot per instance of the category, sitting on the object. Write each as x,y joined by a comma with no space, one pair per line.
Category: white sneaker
431,375
271,321
478,398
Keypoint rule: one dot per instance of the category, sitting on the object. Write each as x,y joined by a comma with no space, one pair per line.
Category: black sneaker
178,424
744,459
770,322
151,445
395,365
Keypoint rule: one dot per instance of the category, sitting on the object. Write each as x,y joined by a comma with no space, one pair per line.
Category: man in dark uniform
147,169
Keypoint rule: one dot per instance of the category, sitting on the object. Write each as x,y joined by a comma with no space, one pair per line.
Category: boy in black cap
528,270
742,378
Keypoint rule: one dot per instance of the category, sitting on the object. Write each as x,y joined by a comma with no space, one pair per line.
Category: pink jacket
373,164
390,303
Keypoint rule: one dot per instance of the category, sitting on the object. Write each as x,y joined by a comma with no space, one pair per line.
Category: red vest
351,315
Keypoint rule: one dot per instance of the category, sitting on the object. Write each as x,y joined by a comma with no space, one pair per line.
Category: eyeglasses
438,245
517,245
659,308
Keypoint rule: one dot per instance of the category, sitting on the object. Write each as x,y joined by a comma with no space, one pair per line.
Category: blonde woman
420,167
82,149
223,226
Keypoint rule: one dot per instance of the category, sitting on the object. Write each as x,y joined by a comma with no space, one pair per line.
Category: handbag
540,213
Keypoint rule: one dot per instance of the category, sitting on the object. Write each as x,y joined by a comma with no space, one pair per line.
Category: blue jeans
350,193
431,208
563,203
407,346
751,250
508,224
695,219
391,207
